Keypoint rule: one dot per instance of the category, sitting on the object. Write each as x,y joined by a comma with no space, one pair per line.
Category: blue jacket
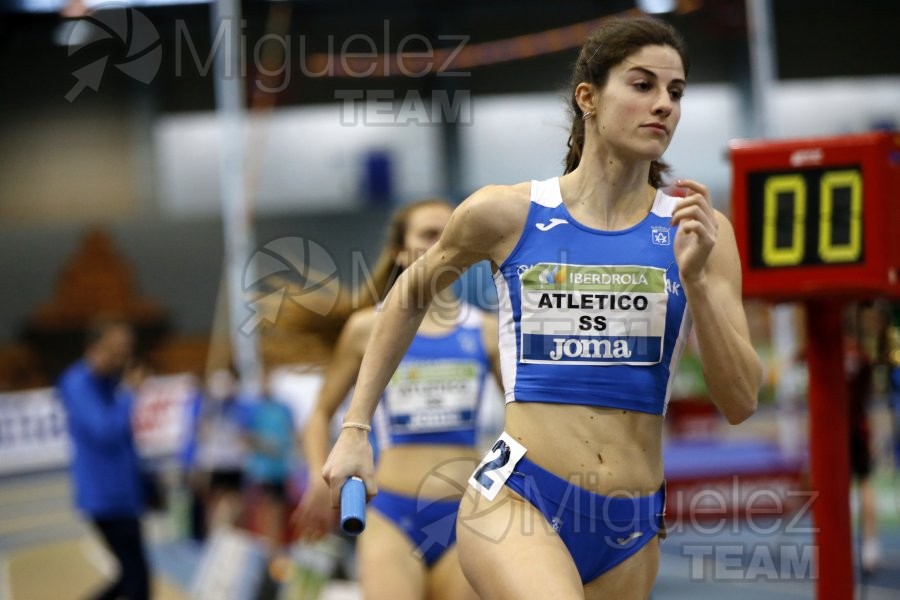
105,468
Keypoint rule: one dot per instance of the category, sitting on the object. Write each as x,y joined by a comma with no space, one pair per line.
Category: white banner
34,436
160,416
33,431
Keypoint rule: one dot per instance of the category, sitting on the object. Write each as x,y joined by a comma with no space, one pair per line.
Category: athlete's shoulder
725,253
490,218
721,218
504,198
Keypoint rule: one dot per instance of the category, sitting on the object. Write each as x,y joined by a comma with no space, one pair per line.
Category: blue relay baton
353,506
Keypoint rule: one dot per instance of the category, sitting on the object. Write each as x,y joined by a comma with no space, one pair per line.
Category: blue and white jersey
435,394
588,316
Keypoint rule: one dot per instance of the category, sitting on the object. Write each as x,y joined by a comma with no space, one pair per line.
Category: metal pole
763,73
829,452
763,70
236,217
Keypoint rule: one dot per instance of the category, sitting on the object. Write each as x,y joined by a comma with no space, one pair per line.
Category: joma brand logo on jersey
580,348
553,223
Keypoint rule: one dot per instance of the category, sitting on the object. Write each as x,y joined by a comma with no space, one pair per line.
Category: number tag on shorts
497,466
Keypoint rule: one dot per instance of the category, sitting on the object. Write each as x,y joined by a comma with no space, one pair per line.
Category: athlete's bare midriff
603,450
426,470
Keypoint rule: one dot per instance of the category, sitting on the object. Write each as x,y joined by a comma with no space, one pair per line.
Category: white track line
98,556
5,583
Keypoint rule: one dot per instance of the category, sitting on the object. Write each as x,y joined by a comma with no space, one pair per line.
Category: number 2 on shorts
493,465
497,466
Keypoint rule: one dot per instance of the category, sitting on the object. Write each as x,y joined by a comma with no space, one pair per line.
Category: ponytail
657,169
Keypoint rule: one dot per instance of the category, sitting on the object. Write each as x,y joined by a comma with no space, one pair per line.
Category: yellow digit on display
830,252
772,254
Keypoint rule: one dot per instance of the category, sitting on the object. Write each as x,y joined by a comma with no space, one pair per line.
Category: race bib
497,466
592,315
433,396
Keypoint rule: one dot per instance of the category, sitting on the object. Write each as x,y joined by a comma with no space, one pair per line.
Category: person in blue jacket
105,467
269,431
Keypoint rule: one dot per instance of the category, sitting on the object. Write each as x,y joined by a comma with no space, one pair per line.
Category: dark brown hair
613,42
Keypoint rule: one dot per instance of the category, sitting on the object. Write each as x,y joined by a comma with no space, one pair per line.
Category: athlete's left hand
314,517
697,229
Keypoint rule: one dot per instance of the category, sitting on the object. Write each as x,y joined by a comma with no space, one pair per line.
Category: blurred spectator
193,480
893,363
221,448
270,434
863,347
106,470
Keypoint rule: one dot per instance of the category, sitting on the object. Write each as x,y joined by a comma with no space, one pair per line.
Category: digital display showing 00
818,217
808,217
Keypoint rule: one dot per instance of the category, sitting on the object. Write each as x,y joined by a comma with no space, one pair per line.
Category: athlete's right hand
351,455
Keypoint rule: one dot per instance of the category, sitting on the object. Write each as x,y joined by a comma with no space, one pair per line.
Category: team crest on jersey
660,236
468,343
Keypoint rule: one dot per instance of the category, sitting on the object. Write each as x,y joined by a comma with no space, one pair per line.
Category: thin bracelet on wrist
352,425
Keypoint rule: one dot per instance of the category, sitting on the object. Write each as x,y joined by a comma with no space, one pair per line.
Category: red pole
829,448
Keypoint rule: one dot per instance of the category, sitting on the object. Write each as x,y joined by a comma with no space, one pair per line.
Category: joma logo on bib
575,348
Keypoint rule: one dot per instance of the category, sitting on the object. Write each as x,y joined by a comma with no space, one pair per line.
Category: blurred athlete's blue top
271,425
105,467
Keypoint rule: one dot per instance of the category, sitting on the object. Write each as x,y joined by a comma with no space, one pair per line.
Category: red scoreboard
818,217
818,221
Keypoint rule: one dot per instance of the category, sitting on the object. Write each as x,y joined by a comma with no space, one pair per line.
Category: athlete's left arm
710,271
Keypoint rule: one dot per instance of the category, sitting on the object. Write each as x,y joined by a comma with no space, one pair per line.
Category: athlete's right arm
484,227
314,516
